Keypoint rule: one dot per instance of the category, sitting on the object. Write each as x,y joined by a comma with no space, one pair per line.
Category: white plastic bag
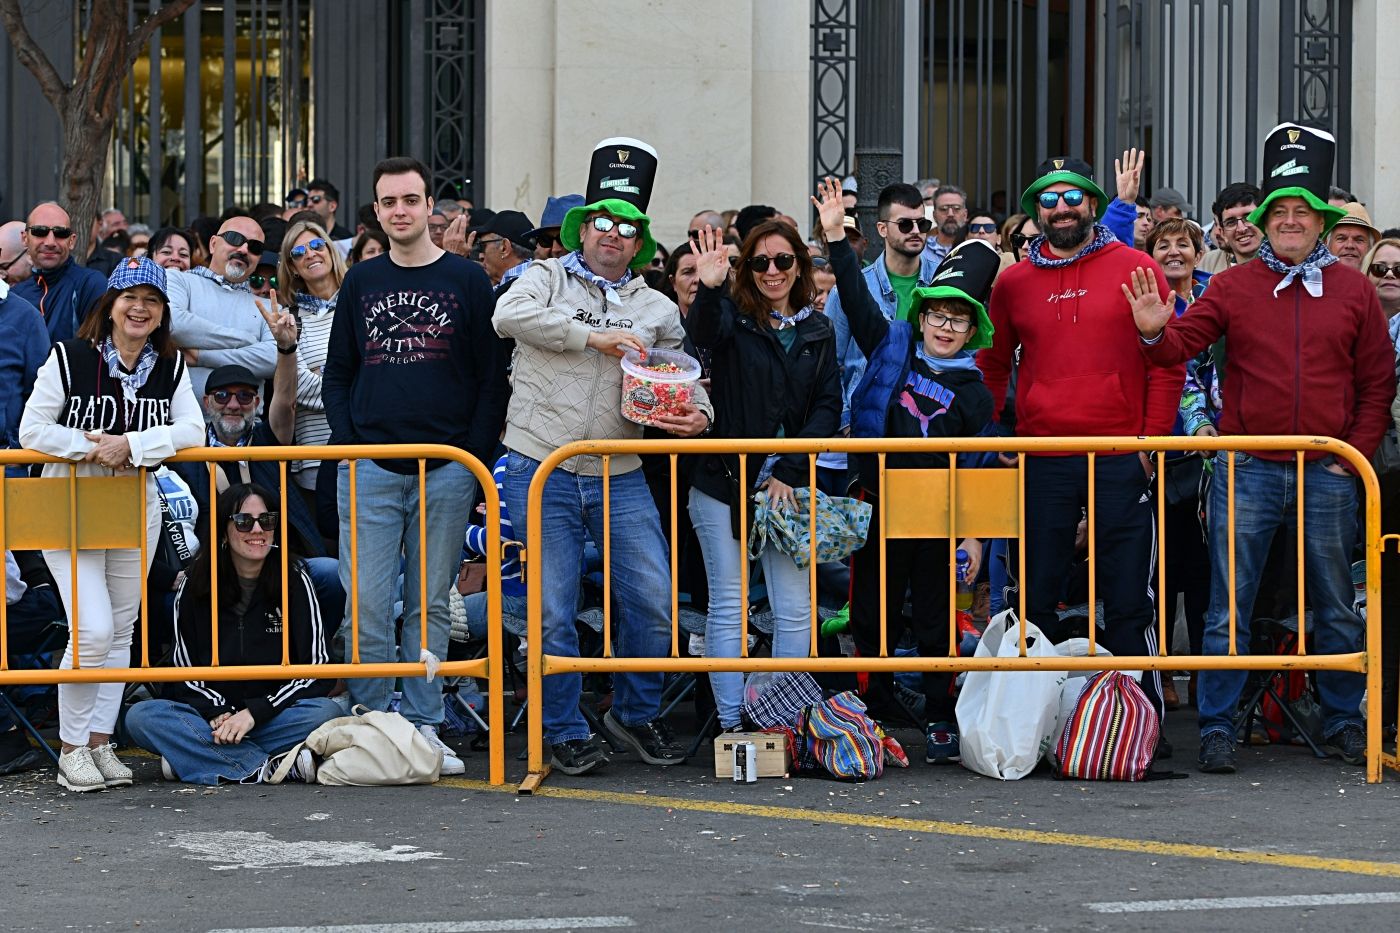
1006,719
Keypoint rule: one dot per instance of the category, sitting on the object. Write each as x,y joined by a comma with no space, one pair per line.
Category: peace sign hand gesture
711,257
280,322
831,211
1150,312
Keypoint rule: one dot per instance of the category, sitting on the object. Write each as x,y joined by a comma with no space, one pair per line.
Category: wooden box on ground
773,758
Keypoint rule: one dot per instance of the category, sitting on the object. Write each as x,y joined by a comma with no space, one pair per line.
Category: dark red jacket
1294,364
1081,372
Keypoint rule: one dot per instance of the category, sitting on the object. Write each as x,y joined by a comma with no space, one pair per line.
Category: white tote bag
369,750
1006,719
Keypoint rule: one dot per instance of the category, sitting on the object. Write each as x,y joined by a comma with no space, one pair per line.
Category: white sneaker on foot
303,767
451,764
167,772
114,773
78,773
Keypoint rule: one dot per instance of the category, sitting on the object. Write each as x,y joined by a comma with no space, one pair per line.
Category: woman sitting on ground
211,731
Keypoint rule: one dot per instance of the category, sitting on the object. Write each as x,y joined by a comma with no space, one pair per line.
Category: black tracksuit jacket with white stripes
256,638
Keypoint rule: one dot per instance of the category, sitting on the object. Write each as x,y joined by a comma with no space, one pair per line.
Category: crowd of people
434,321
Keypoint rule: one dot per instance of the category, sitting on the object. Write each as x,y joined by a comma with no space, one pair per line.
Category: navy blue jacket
64,296
24,345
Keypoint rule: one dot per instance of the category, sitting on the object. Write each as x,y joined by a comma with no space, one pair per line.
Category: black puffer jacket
761,390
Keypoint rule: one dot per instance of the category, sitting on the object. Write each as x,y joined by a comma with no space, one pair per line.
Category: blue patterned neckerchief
573,262
131,382
204,272
305,301
214,441
779,321
1310,268
513,273
1102,237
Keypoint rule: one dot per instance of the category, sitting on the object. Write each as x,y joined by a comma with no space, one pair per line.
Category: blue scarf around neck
1310,268
574,263
1102,237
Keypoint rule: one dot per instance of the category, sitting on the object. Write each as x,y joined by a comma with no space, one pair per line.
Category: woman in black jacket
773,374
211,731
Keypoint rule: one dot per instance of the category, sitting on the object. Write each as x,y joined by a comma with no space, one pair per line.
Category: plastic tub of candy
662,383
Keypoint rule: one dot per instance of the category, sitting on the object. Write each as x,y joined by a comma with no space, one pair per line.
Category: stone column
879,108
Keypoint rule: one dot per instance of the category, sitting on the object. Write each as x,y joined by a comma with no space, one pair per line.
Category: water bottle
964,597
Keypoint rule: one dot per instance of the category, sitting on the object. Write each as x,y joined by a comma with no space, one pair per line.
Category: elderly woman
204,731
115,397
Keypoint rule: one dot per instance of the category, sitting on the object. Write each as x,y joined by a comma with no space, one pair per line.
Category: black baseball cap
231,375
512,225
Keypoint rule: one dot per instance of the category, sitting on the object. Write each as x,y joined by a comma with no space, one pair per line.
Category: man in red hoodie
1081,373
1307,352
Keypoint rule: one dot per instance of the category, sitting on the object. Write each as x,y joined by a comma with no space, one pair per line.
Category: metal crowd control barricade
101,512
986,503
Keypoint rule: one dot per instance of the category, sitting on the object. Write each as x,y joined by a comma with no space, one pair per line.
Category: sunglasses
1019,240
906,225
244,396
603,223
258,281
318,244
958,325
39,231
244,521
820,262
235,239
296,202
982,228
784,262
482,244
1381,270
1073,198
545,240
315,199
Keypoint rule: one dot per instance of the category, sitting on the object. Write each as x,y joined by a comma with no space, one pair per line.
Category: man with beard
213,314
950,213
1081,373
1353,236
1241,238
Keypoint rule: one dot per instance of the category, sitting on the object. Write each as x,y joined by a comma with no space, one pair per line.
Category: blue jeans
789,596
513,613
388,531
178,733
1266,501
641,584
330,595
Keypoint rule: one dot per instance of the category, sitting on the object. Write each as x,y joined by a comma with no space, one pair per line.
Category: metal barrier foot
532,782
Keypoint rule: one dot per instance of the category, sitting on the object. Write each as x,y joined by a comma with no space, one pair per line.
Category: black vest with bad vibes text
95,401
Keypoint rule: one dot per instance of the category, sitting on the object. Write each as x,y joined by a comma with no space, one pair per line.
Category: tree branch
28,53
144,30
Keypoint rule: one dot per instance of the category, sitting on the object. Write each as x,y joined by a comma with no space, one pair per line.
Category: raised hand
831,211
454,238
711,257
1150,312
1129,172
280,322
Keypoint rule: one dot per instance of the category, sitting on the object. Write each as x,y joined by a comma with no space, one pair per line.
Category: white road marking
1235,903
457,926
238,849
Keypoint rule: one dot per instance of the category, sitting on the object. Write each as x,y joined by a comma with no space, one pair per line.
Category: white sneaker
303,767
451,764
78,773
114,773
167,772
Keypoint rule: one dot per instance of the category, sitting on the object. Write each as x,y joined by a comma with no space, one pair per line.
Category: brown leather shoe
1169,698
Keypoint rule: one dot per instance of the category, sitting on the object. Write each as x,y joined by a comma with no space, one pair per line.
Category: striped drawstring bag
1112,735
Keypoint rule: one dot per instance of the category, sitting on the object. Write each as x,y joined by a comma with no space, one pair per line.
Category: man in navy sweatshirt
24,345
62,290
412,359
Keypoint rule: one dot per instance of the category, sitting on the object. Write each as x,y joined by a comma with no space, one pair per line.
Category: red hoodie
1082,372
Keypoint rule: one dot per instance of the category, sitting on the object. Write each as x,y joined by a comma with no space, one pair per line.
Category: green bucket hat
1298,164
569,232
1062,168
965,274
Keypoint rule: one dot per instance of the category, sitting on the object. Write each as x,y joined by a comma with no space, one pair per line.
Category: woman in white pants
114,398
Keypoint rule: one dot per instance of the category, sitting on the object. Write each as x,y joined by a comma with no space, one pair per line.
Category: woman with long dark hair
114,398
774,374
206,731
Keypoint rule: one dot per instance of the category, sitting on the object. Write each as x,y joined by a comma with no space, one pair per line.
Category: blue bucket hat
554,211
138,271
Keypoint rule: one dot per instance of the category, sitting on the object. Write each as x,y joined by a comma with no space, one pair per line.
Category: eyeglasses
258,281
485,243
820,262
1073,198
296,202
244,521
1230,223
244,396
40,232
784,262
982,228
5,266
603,223
235,239
950,209
906,225
958,325
1382,270
1019,240
318,244
545,240
315,198
734,262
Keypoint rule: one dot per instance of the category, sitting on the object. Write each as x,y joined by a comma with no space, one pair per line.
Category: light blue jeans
178,733
1266,501
388,538
641,585
789,595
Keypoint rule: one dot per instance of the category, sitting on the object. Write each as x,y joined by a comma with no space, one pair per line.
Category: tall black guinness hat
1298,164
620,178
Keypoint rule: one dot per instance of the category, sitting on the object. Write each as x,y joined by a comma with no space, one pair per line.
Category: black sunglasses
1019,240
545,240
1381,270
39,231
906,225
235,239
784,262
258,281
244,521
244,396
820,262
982,228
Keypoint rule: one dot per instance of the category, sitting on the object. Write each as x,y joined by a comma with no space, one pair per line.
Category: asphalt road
647,848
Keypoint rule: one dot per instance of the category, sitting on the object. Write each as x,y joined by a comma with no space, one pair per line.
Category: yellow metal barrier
948,503
98,512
